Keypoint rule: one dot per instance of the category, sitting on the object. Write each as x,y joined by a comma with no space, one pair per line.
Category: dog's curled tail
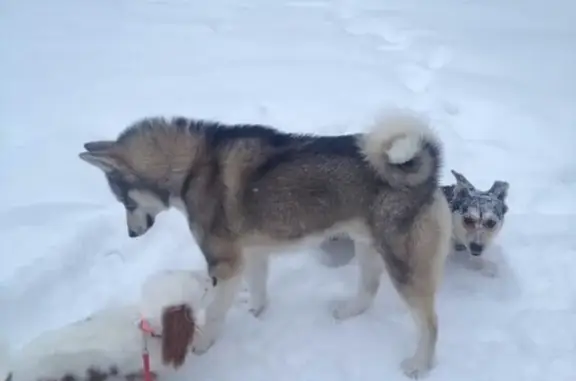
402,148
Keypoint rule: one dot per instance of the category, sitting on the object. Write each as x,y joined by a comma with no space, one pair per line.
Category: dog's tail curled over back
402,148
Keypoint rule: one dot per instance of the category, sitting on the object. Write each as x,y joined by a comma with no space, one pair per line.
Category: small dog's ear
460,192
178,326
499,189
462,181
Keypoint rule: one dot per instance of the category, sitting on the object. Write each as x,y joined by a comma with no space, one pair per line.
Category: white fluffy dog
110,344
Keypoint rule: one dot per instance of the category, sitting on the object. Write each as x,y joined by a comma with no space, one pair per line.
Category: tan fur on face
481,235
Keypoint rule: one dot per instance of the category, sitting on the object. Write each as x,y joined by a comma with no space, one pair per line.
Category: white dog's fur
109,343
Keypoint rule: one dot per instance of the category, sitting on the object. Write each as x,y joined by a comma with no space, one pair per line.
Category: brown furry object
177,334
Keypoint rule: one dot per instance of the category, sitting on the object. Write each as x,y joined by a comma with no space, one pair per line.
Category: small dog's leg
371,267
257,265
484,266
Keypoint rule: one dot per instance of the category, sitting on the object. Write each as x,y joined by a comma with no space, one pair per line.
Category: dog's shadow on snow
490,276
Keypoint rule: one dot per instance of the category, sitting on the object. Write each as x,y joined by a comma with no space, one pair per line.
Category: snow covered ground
497,78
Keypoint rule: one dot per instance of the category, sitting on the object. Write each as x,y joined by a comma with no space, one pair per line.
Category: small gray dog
477,218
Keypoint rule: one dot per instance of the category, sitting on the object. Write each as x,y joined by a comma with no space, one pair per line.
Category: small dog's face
477,215
142,201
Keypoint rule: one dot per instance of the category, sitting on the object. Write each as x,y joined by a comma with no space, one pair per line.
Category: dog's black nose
132,234
476,248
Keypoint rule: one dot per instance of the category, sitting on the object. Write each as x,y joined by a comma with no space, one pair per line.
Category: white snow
496,77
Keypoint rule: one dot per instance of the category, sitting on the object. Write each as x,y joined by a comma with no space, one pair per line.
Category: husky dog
109,343
250,190
477,218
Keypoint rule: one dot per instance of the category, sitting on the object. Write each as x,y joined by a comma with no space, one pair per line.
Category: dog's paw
348,308
415,368
206,339
202,344
257,308
485,267
489,269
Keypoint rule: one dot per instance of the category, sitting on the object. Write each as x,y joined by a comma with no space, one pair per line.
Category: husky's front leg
225,267
224,294
256,272
371,267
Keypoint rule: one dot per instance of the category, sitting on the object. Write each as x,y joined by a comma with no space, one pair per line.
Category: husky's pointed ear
100,154
103,160
499,189
462,181
99,146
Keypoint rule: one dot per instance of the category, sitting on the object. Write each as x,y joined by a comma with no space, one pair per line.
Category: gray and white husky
477,219
251,190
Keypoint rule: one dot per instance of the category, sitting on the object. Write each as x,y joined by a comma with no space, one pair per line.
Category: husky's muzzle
133,233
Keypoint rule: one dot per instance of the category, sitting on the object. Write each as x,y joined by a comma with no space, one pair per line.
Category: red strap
146,365
146,330
145,326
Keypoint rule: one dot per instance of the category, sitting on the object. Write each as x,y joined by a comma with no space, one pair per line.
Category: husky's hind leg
417,287
415,261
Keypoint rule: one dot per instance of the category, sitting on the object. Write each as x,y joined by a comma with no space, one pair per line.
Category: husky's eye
130,205
490,224
469,221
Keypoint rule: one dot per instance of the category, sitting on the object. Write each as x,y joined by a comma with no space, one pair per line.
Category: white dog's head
174,302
